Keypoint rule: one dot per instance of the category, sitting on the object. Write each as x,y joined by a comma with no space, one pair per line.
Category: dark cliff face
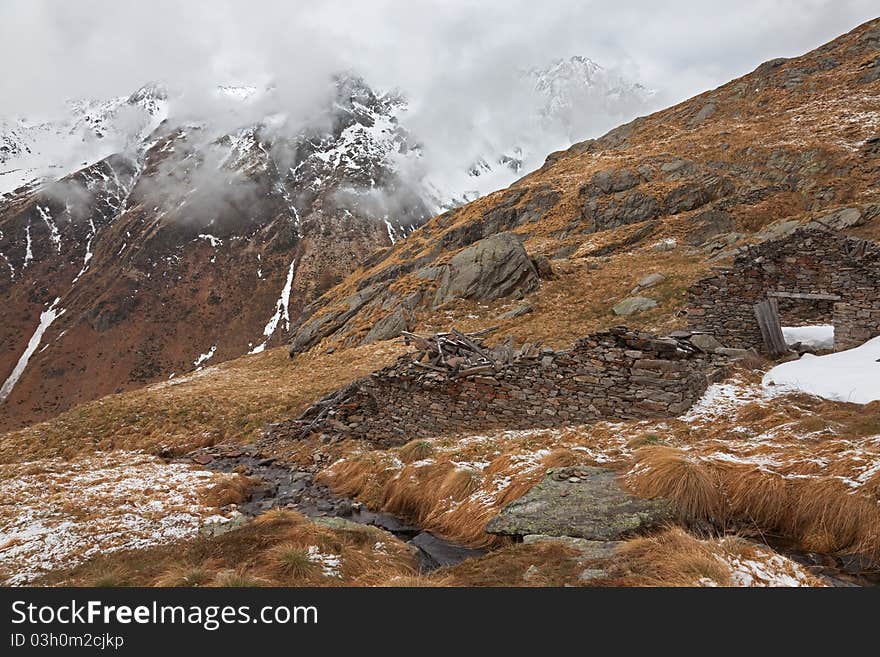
195,243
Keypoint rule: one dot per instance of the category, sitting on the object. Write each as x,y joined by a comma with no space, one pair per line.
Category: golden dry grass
819,514
231,402
280,548
670,558
674,558
668,473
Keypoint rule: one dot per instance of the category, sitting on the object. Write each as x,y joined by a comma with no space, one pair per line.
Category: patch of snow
329,562
54,235
774,570
816,337
60,513
391,235
28,252
46,318
722,399
215,241
282,311
847,376
89,254
205,356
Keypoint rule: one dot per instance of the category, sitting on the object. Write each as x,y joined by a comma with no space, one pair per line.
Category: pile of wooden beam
457,354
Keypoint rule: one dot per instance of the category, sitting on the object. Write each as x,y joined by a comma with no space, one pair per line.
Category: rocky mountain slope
672,194
140,239
188,245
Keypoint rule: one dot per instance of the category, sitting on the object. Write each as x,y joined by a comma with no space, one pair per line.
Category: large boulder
492,268
582,502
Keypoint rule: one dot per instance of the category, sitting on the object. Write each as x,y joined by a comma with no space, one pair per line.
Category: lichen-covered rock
631,208
693,195
609,181
581,502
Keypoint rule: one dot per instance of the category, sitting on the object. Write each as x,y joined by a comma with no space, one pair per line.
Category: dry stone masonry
618,373
816,277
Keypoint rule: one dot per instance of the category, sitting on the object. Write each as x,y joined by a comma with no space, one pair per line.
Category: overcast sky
456,61
56,49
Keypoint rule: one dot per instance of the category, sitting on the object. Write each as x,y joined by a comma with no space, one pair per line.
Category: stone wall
615,374
817,277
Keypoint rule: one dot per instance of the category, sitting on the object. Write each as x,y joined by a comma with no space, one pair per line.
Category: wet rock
633,305
439,553
595,508
492,268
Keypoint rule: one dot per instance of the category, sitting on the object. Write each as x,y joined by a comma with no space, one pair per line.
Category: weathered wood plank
767,314
804,295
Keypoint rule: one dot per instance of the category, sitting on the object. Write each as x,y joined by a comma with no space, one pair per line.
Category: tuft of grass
238,578
292,561
115,577
184,575
416,450
459,483
670,558
664,472
234,490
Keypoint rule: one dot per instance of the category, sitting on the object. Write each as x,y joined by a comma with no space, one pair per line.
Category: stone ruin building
811,277
452,383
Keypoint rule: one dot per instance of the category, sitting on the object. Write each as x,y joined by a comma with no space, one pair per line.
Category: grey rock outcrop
490,269
708,225
390,326
581,502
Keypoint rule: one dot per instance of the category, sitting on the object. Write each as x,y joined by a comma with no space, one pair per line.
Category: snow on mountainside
91,131
562,103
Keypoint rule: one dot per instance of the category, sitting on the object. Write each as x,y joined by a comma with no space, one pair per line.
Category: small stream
282,485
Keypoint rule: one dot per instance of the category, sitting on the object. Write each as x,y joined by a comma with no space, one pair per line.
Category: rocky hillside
670,194
141,238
